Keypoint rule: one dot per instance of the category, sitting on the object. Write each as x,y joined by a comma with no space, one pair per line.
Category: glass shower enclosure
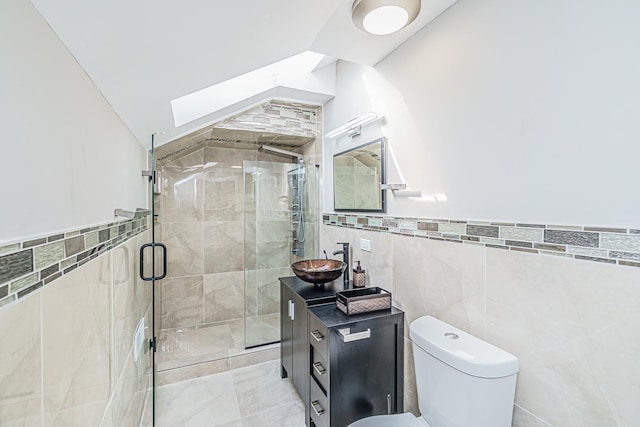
281,227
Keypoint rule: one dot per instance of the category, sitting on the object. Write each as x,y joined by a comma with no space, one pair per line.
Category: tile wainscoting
66,343
572,322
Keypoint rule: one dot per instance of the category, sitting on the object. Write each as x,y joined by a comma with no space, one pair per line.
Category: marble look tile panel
573,328
15,265
20,372
439,279
77,361
186,241
223,296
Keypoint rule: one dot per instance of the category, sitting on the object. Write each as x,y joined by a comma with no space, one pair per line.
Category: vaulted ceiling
144,54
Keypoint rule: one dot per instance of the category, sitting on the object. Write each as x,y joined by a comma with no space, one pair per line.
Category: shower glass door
153,268
281,226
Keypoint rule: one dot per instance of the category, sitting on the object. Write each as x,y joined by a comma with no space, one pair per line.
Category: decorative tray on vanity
363,300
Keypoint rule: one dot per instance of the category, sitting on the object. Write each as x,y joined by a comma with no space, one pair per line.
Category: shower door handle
164,261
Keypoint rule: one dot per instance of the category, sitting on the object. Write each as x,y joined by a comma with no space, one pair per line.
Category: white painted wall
516,110
67,158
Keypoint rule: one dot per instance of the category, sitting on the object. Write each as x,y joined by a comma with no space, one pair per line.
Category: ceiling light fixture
382,17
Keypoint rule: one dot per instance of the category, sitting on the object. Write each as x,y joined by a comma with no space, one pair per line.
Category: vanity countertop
312,295
331,316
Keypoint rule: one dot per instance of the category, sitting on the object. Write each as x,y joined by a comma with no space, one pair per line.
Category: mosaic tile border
28,265
273,116
618,246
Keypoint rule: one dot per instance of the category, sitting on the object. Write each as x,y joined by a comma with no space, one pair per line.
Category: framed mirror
358,175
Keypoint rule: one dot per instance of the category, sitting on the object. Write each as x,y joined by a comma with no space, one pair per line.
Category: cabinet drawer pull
347,336
317,366
316,410
317,335
292,310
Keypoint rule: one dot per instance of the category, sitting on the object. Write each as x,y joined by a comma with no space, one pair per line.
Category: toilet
462,381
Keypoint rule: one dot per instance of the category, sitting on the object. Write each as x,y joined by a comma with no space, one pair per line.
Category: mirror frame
383,208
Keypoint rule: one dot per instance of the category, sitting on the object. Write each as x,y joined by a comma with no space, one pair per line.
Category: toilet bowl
397,420
461,380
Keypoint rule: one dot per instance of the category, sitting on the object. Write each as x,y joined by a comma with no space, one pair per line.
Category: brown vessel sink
318,271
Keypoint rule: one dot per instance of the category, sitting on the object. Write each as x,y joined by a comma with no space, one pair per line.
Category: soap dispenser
358,277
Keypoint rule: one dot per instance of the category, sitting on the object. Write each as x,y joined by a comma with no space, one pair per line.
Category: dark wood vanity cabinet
295,297
344,367
293,333
356,365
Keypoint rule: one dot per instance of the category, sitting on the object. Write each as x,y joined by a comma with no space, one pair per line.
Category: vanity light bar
352,127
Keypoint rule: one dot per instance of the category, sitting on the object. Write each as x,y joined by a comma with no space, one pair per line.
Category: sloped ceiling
143,54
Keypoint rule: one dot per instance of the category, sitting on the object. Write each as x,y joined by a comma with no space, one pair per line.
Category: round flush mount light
382,17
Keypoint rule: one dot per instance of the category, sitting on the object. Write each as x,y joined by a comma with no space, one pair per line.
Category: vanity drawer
319,406
319,336
319,368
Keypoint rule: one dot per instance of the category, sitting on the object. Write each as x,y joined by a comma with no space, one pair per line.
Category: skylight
292,72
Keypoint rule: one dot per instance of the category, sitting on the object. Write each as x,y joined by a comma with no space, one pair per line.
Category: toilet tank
462,381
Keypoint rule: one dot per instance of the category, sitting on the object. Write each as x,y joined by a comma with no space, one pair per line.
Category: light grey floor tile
205,401
245,397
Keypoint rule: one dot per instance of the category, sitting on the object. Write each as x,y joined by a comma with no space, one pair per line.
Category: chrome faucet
345,258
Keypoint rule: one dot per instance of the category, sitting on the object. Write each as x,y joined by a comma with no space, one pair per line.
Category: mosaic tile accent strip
618,246
31,264
277,117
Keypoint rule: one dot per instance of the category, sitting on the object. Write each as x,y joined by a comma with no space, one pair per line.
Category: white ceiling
143,54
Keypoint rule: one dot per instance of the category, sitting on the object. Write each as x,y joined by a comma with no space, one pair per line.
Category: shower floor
181,347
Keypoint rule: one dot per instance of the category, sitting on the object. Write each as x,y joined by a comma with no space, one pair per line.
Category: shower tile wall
202,213
201,217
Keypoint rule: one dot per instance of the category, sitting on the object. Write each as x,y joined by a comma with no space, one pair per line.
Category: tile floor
253,396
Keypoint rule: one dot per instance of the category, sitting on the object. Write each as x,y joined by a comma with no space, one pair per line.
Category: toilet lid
397,420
